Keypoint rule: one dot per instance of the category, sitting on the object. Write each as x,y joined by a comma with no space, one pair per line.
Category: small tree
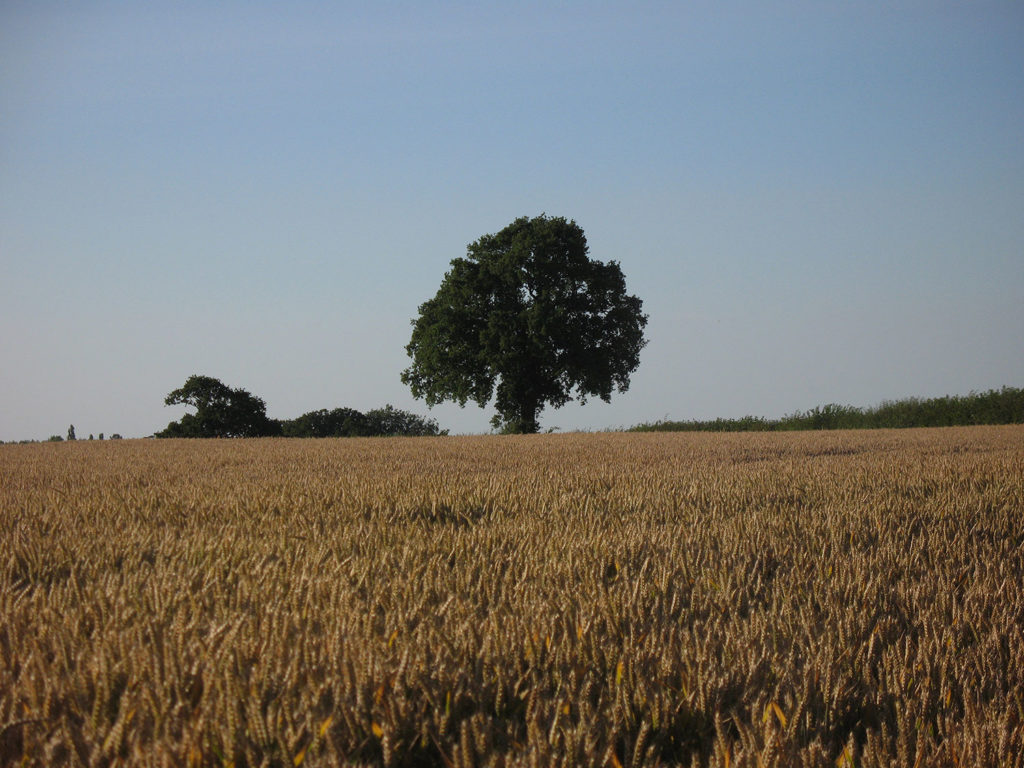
529,318
71,432
220,411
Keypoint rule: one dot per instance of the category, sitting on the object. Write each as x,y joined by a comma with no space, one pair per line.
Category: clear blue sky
817,201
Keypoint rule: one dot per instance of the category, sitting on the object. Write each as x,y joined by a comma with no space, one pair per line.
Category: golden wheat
808,599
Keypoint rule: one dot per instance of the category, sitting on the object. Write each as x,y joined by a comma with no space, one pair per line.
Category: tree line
996,406
223,411
71,437
528,320
224,415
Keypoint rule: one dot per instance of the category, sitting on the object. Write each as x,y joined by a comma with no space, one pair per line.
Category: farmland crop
822,599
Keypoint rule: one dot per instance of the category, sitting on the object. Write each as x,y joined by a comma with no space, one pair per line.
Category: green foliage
348,422
528,318
220,411
225,412
996,406
71,432
390,422
339,422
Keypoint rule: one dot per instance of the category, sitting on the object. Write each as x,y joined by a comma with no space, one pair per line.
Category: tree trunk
528,424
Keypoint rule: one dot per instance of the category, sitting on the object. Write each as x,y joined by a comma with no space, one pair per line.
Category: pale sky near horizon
818,202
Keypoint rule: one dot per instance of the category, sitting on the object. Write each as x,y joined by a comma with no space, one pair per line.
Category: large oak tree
527,317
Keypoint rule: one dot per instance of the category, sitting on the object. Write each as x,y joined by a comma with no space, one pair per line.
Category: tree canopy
528,318
220,411
339,422
348,422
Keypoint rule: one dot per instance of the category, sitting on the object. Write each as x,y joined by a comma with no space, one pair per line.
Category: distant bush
996,406
338,422
392,422
348,422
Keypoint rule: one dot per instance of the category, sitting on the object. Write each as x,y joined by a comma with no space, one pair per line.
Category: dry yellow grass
819,599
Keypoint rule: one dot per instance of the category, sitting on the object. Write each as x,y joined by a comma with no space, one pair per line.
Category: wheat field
818,599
